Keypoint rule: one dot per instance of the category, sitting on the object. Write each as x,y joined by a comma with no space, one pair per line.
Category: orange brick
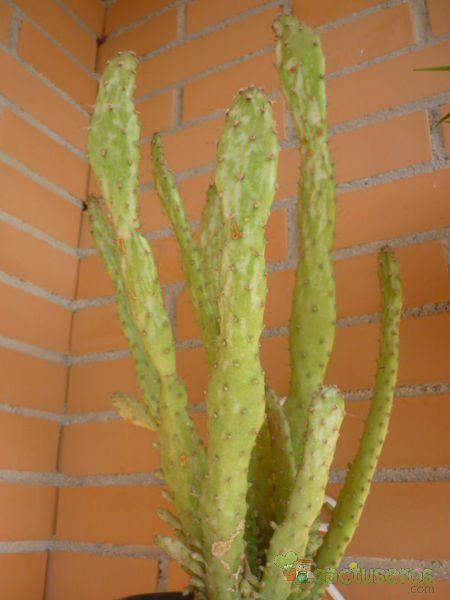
142,39
187,326
5,15
124,12
92,384
421,418
204,13
380,147
25,199
49,60
96,329
92,577
380,84
28,444
33,320
288,173
368,37
423,343
168,262
27,512
411,205
115,515
152,212
23,575
203,53
85,240
326,11
276,235
107,448
217,91
41,153
93,280
155,114
439,13
36,98
397,521
89,12
28,258
62,28
178,579
31,382
193,191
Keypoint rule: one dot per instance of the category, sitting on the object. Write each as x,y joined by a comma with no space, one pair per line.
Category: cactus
253,498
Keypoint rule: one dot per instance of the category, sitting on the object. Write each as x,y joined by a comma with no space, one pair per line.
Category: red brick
41,153
49,60
216,91
93,577
403,520
5,16
26,512
125,12
32,382
142,39
326,11
178,579
89,12
107,448
96,329
55,21
439,13
41,102
368,37
380,147
380,84
114,515
25,199
393,209
155,114
28,444
204,13
33,320
205,52
24,256
23,575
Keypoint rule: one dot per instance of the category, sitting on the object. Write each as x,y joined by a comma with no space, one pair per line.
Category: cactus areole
247,509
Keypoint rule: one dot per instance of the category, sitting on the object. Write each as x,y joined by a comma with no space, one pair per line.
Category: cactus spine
257,491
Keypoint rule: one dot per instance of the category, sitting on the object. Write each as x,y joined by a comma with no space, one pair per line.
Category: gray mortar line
38,234
35,351
356,16
35,290
53,135
15,24
84,418
25,17
76,18
421,21
53,187
43,79
163,575
150,479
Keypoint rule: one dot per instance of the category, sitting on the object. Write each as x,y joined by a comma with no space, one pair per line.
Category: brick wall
77,485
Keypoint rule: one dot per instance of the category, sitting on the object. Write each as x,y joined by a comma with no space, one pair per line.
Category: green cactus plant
254,496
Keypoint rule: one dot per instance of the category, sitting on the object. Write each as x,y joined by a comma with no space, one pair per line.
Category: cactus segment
353,495
182,452
113,141
325,418
283,454
106,243
195,279
301,68
210,245
180,553
245,180
132,410
260,512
